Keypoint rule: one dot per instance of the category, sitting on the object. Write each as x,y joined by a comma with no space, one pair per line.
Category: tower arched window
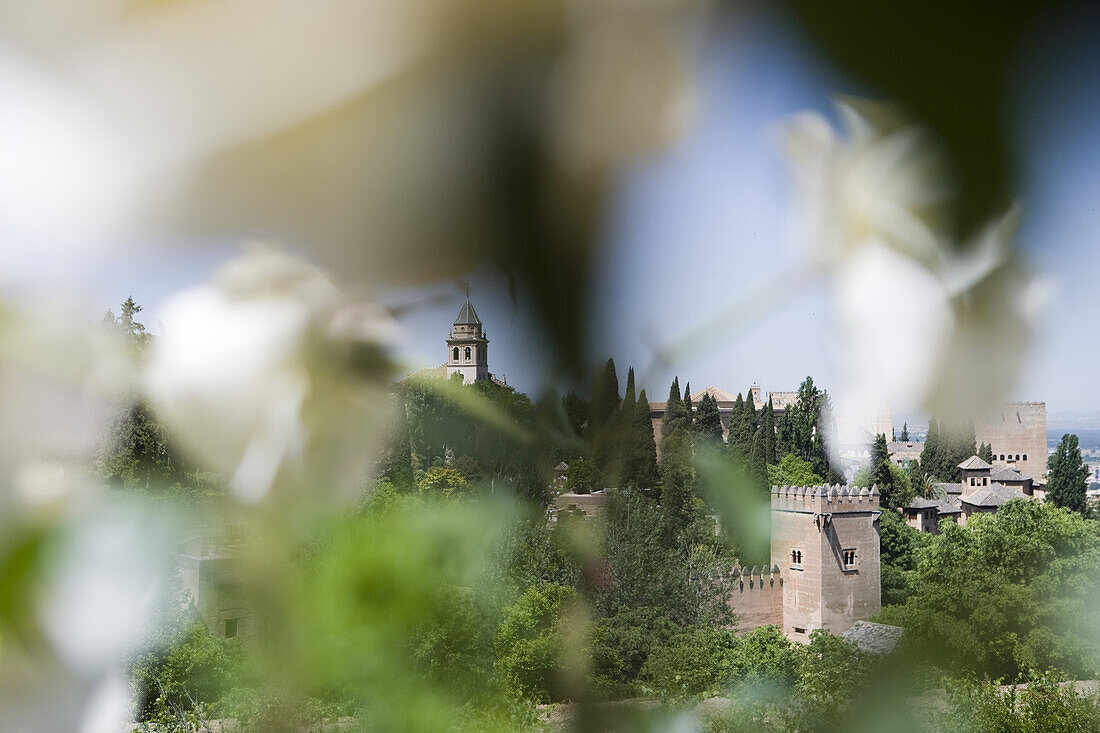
456,353
467,353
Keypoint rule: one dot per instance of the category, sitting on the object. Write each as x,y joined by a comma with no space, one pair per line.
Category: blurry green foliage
1045,703
532,641
443,481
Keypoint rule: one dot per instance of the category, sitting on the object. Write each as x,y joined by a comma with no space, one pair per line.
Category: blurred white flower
269,372
60,378
922,316
95,584
379,134
103,585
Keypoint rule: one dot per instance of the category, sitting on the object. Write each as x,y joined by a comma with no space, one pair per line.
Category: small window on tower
849,557
456,353
796,558
231,628
467,353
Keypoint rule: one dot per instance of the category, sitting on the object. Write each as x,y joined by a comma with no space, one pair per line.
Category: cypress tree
767,423
1067,481
644,448
931,456
576,412
605,426
688,406
675,413
784,435
750,417
904,432
677,496
605,397
629,400
758,466
985,452
709,422
920,484
880,462
628,459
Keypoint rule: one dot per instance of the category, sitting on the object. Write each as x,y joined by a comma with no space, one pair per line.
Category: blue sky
696,227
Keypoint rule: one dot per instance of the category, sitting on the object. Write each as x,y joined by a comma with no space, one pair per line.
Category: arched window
467,353
456,353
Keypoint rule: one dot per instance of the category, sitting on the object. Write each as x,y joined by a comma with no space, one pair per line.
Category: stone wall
1018,429
757,599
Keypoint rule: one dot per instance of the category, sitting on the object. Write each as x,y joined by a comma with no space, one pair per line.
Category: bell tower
467,346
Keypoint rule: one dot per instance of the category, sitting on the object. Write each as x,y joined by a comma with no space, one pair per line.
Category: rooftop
1007,473
467,316
993,495
874,638
973,463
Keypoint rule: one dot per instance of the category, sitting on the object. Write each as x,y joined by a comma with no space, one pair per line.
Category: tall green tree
737,442
932,455
136,451
675,418
767,424
918,481
677,483
750,417
758,464
645,476
605,397
688,407
985,452
1067,480
904,437
708,424
576,412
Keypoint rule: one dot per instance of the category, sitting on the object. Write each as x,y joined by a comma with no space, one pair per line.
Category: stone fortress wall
834,580
825,563
1018,432
757,597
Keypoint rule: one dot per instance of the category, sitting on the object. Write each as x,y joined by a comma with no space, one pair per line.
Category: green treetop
688,408
605,396
1067,480
767,424
643,448
709,422
675,412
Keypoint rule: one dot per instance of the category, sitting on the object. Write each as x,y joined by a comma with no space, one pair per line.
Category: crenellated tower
825,544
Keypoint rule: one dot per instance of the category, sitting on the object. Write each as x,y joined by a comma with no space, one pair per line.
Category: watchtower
825,541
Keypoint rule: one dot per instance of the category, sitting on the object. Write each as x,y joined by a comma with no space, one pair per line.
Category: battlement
757,597
756,577
832,498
